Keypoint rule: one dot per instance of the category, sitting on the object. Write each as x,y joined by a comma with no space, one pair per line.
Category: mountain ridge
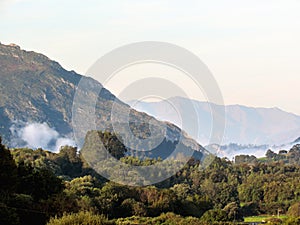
35,89
229,105
244,125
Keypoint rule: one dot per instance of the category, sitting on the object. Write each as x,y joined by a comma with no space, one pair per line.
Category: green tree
131,207
233,212
69,161
98,144
8,170
214,215
40,183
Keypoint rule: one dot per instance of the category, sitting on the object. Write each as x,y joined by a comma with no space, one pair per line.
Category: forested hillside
37,185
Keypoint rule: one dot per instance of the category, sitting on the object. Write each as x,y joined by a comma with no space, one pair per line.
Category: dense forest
41,187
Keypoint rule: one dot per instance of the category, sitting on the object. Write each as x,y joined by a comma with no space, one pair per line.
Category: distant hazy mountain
244,125
36,104
232,149
296,141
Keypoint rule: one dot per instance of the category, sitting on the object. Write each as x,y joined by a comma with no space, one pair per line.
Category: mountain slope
35,89
244,125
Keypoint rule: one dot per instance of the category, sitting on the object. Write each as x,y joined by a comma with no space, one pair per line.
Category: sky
251,47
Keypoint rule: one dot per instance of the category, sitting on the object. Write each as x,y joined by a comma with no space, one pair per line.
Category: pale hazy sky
252,47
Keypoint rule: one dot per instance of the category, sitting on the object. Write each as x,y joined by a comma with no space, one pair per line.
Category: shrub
214,215
294,210
81,218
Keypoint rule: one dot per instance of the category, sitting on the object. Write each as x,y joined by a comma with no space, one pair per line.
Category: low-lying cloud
38,135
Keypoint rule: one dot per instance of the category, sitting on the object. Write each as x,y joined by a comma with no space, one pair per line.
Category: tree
214,215
98,144
131,207
40,183
8,170
69,161
233,212
250,209
270,154
113,145
83,186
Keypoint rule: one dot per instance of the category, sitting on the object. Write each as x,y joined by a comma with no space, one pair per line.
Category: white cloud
38,135
63,142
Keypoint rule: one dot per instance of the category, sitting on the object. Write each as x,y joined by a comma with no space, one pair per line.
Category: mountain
233,149
244,125
297,140
37,110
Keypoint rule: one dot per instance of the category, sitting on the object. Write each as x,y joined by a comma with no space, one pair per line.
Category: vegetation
39,187
287,157
259,219
81,218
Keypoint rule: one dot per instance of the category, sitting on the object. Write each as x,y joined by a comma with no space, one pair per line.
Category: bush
250,209
233,212
214,215
294,210
292,221
81,218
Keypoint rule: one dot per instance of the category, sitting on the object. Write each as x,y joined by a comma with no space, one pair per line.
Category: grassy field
262,217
